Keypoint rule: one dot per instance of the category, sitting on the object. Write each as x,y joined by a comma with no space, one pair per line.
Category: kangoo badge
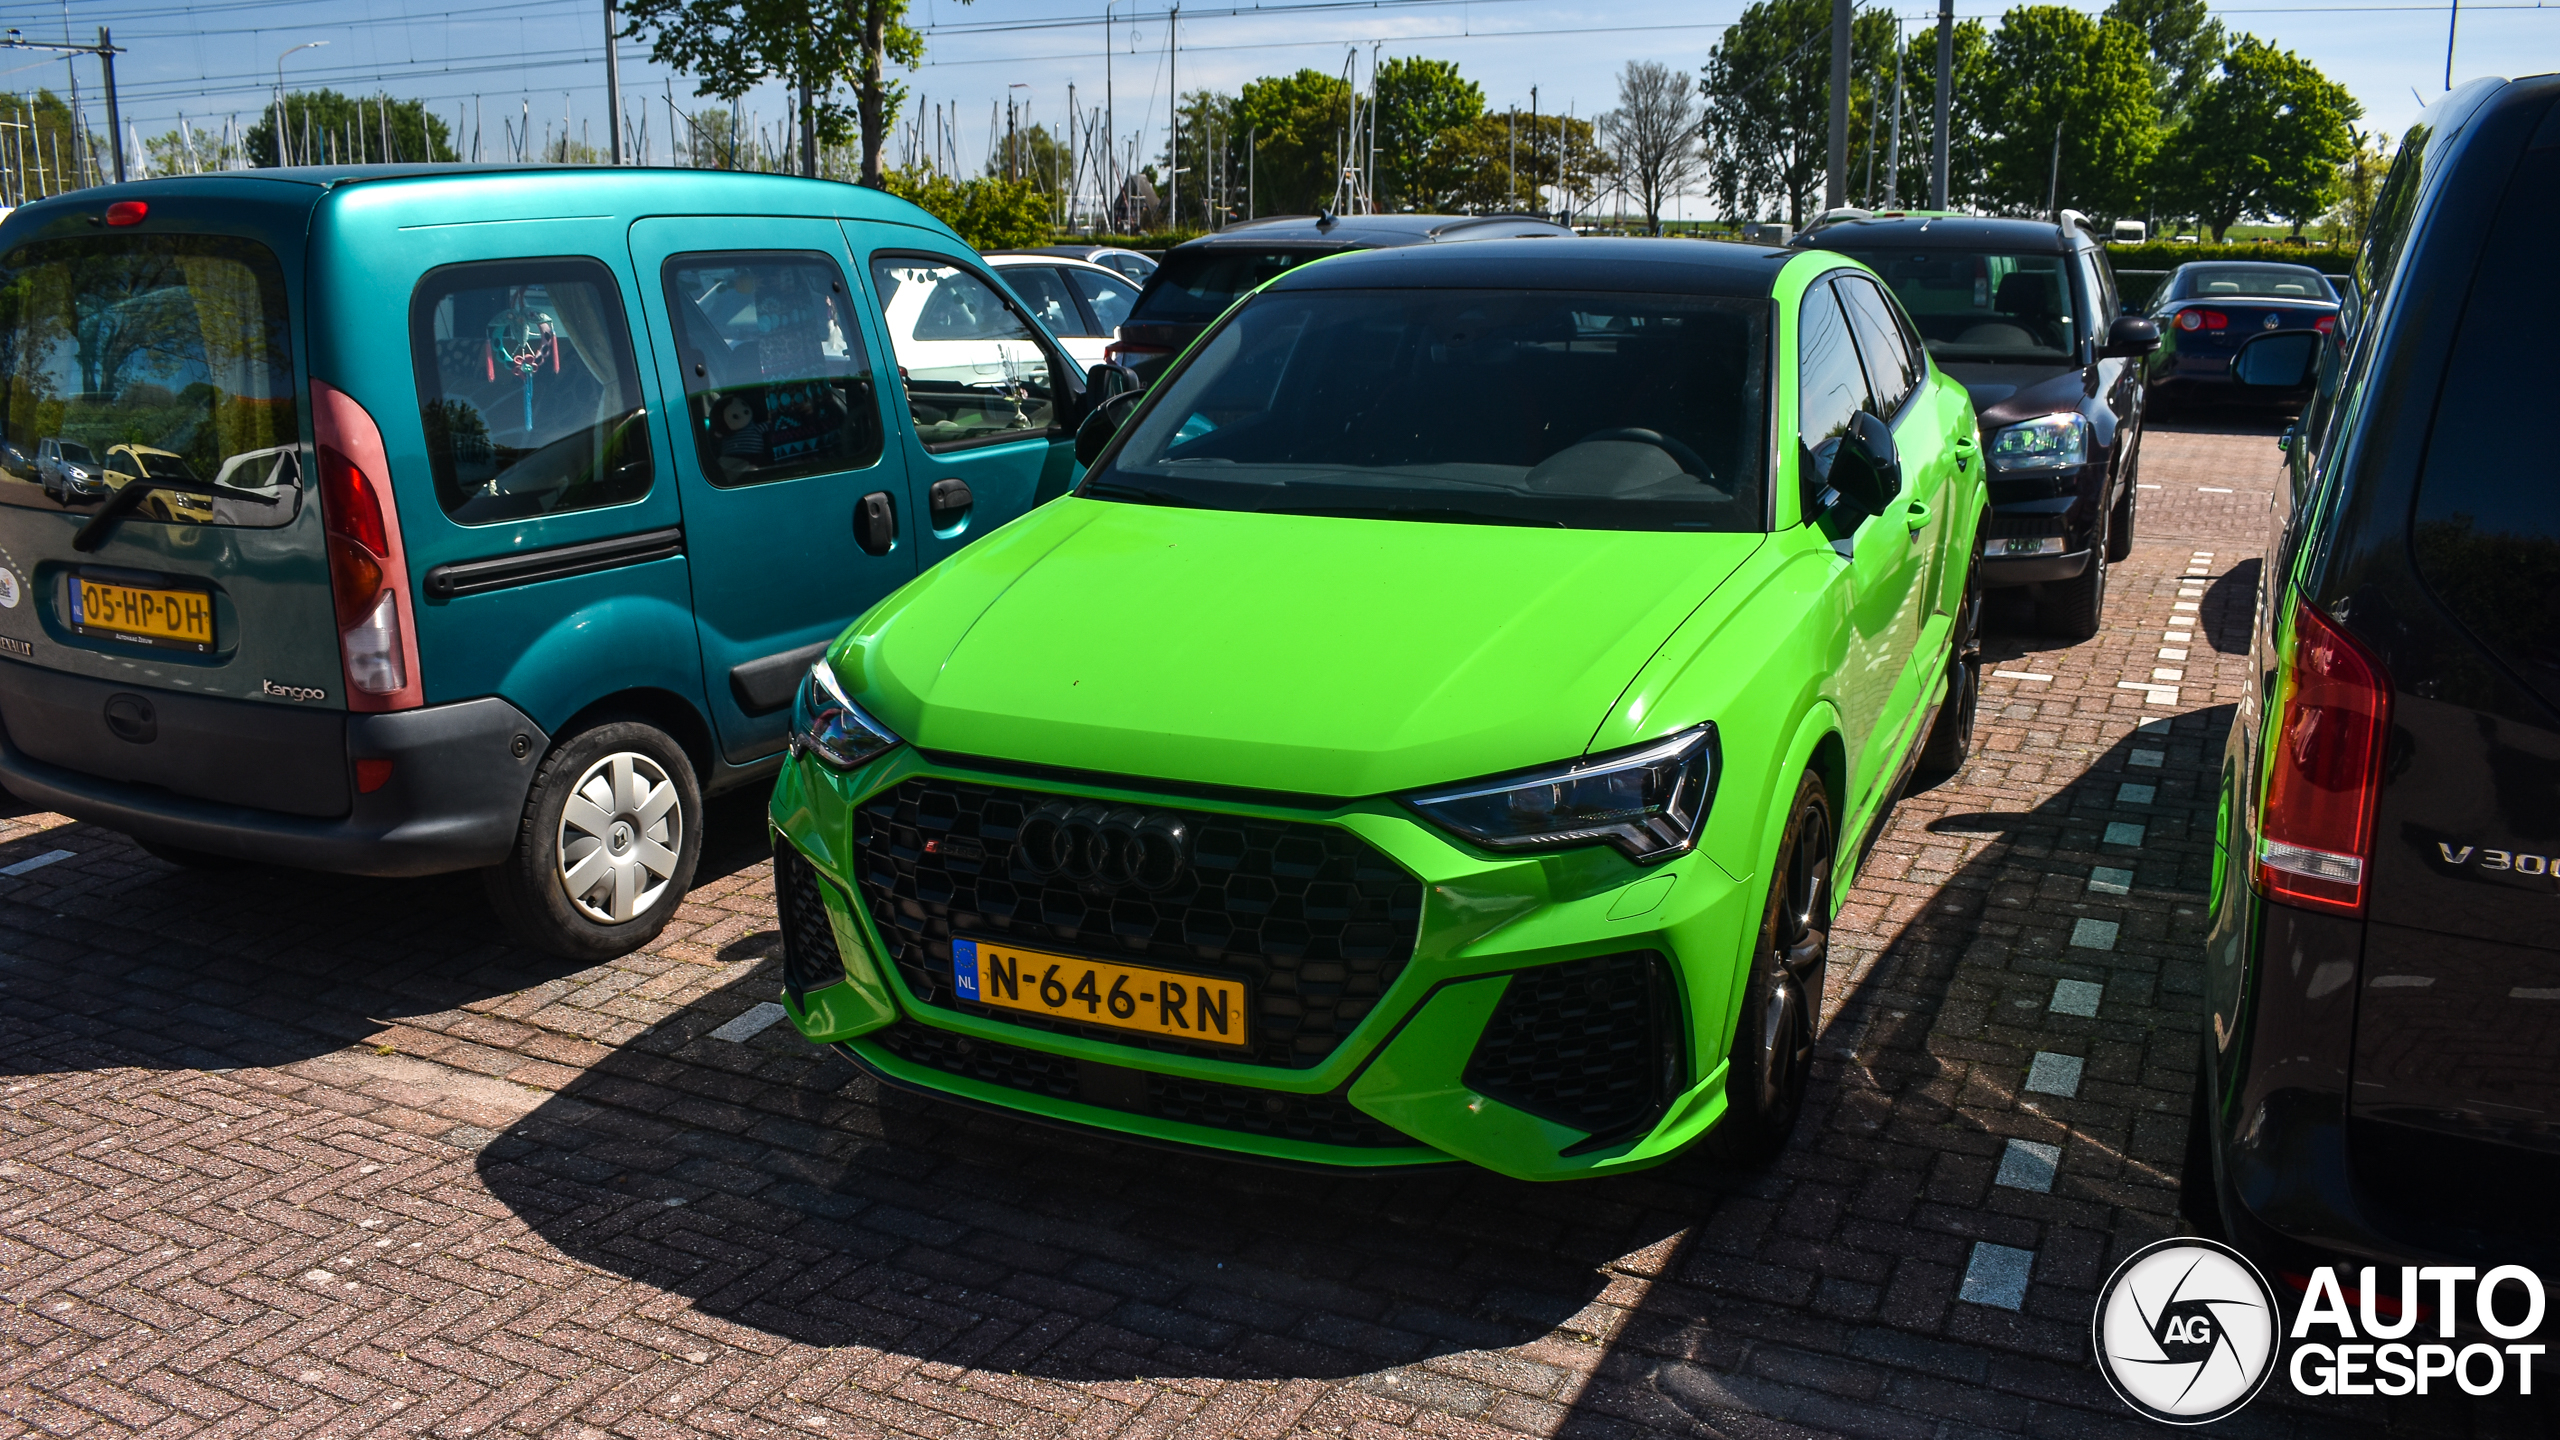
2186,1331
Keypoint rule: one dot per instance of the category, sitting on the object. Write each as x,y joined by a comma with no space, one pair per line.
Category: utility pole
1533,140
106,52
1173,120
1835,185
1893,149
613,79
2053,185
2452,23
1946,89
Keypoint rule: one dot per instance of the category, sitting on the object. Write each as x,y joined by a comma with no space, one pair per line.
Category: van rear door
165,611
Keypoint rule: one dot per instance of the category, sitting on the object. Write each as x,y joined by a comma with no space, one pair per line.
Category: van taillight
2323,769
368,571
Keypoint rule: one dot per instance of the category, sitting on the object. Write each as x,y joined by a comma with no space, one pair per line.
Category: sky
213,59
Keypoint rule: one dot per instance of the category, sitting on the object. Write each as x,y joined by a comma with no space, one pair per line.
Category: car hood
1303,654
2007,394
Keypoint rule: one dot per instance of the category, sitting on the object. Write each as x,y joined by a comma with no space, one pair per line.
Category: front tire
1770,1064
611,834
2073,608
2120,524
1950,742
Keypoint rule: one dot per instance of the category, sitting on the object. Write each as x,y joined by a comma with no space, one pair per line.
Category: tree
1301,119
991,213
1767,96
53,153
2186,43
2055,70
1420,102
2359,186
1967,166
1211,157
2264,137
732,46
190,151
323,127
1504,161
1653,136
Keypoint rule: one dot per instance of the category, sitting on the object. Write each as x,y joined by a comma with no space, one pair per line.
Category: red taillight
2325,324
2323,768
368,570
372,775
127,212
2216,320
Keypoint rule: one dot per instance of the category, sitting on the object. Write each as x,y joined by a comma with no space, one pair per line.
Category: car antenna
1324,218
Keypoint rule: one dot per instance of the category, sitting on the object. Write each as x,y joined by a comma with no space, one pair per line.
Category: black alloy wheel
1950,742
1770,1063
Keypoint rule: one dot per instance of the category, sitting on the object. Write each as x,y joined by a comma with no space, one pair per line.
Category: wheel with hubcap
1950,741
1770,1063
611,833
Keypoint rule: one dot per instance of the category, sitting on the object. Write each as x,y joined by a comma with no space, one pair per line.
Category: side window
2101,287
974,369
1110,296
526,383
1891,378
777,384
1046,294
1830,388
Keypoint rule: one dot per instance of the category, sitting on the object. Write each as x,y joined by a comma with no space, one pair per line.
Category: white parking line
746,1027
38,863
2019,675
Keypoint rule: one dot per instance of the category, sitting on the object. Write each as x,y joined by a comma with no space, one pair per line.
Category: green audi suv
1436,728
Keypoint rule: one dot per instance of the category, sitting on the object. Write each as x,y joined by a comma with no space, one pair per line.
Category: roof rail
2074,217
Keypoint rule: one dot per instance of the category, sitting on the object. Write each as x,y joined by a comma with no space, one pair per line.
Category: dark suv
1200,278
2381,1076
2025,315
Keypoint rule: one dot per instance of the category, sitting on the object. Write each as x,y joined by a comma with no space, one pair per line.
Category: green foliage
323,127
1420,102
50,156
1506,161
2359,189
1767,88
193,151
1968,166
2186,43
1300,118
732,46
2056,69
2265,137
991,213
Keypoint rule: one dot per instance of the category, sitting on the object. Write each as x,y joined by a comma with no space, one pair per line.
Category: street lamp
280,59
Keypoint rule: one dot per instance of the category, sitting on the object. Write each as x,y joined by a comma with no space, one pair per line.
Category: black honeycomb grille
1319,1119
1594,1044
809,957
1312,919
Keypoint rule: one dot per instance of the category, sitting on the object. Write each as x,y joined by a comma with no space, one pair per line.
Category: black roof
1940,232
1676,267
1373,230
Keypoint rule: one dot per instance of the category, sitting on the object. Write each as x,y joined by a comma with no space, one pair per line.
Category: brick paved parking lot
295,1155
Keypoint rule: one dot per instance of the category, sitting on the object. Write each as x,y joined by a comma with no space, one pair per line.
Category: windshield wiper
1443,514
128,495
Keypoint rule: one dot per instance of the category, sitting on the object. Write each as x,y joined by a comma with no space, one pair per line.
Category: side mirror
1102,423
2276,363
2130,336
1867,468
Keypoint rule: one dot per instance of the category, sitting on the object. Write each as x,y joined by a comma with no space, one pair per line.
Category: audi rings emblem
1108,845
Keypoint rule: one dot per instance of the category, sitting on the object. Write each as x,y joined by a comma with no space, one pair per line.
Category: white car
1079,302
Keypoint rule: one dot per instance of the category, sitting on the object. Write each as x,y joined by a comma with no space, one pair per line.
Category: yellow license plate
1100,992
133,612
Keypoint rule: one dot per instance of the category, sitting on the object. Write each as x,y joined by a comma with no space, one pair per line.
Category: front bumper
1393,1091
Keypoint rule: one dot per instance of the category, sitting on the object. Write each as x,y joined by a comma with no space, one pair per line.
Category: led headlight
1647,801
2048,442
826,724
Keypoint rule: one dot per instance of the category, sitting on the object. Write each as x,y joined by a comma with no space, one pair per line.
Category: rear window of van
162,360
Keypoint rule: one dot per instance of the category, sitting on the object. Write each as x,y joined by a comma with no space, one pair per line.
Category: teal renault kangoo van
445,518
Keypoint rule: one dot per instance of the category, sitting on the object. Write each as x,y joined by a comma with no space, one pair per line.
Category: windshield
169,356
1196,286
2256,282
1600,411
1976,305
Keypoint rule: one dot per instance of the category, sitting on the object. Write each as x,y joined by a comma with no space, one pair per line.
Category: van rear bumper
454,800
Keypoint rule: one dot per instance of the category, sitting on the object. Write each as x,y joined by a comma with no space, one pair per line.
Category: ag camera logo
2186,1331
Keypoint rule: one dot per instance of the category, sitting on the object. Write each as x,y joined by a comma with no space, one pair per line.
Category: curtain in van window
161,358
527,389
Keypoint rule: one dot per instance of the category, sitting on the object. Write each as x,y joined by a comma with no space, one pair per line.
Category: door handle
1966,445
948,501
875,522
1917,517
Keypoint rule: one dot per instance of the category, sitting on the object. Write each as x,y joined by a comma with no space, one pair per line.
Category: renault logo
1107,845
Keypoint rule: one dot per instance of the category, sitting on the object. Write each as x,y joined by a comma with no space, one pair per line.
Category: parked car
1132,265
2205,310
2025,314
2378,1085
1082,305
528,527
1466,724
68,472
1201,278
